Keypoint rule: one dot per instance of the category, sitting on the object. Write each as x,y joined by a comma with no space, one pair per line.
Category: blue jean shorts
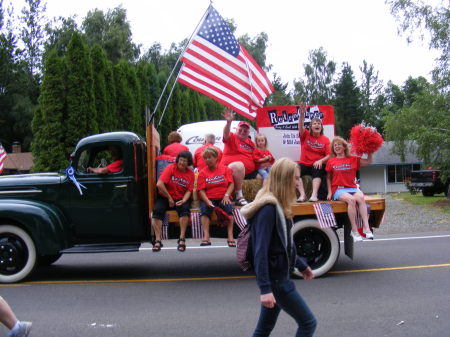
340,191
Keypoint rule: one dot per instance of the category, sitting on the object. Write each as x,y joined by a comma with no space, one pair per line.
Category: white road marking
407,238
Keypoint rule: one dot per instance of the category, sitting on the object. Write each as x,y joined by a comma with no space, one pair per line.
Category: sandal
181,244
241,202
205,243
157,248
231,243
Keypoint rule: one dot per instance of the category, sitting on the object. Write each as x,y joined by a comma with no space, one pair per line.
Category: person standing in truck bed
175,146
199,162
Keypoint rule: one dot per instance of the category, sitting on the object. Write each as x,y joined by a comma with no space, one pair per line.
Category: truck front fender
46,224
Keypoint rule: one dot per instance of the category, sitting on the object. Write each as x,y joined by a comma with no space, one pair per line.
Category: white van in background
193,134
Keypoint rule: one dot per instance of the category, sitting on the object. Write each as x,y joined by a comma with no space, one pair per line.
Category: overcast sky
348,30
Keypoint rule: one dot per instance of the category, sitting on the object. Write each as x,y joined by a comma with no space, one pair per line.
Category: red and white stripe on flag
239,219
2,157
216,65
196,226
324,214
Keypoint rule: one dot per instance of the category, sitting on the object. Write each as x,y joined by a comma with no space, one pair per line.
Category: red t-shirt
343,171
215,182
238,150
313,148
199,162
258,154
115,166
174,148
177,182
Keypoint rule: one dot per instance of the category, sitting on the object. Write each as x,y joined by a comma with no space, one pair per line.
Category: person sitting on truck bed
238,154
175,187
199,162
215,184
341,169
315,151
115,166
175,146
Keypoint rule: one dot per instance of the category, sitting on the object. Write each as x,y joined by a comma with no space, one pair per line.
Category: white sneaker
356,237
369,235
23,330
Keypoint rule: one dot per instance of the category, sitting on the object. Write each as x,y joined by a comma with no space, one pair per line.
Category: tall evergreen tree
371,88
124,98
111,98
347,102
49,124
81,115
317,87
99,65
137,112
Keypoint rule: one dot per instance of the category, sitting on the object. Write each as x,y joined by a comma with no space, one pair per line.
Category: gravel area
403,217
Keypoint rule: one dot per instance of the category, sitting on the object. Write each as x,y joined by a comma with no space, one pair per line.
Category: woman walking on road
274,255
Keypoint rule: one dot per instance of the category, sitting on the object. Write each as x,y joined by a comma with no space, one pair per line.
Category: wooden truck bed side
306,209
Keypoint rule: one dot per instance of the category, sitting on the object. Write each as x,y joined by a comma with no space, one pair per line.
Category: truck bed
377,206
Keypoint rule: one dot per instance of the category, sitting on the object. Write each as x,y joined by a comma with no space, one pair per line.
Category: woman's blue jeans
289,300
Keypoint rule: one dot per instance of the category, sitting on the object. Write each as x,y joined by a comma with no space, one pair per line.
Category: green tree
99,68
81,115
111,98
59,31
417,16
425,122
125,102
49,127
280,96
32,35
371,89
317,87
346,102
112,31
257,48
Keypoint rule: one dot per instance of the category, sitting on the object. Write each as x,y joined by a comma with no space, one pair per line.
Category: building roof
22,161
384,156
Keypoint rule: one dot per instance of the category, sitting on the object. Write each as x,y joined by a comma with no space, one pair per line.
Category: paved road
397,285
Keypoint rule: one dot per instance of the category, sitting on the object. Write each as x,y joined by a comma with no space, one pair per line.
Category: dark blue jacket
274,253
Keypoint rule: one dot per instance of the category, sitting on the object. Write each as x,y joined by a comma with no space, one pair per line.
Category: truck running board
102,248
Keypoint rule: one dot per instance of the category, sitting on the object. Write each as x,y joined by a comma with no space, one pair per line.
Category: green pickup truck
45,215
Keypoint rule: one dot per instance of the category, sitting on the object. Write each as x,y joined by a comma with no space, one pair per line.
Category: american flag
240,221
359,220
324,214
196,226
216,65
165,228
2,157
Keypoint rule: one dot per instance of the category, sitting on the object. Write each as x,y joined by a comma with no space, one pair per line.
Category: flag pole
173,69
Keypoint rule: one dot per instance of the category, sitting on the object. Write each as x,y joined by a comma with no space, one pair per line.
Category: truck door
106,210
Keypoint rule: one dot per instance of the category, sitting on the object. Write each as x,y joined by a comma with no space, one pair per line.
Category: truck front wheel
17,254
319,246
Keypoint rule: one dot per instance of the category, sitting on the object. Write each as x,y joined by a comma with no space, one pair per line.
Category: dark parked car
429,182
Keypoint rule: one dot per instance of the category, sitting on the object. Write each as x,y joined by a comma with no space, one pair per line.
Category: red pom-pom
365,139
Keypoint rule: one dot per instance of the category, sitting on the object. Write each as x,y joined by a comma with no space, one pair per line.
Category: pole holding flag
216,65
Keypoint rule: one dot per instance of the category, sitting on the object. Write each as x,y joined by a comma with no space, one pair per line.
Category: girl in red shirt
214,185
175,187
262,157
175,146
341,174
315,152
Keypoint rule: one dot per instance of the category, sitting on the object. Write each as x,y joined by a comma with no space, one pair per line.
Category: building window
398,173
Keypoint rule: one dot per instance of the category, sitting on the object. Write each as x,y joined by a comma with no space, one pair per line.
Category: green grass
438,201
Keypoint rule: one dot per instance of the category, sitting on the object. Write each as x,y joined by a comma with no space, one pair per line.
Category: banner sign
280,125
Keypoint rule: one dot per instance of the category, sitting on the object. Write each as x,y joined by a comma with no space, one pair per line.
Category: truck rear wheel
427,191
320,246
17,254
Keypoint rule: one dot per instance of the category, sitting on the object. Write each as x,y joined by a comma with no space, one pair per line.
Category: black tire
17,254
427,192
319,246
47,260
